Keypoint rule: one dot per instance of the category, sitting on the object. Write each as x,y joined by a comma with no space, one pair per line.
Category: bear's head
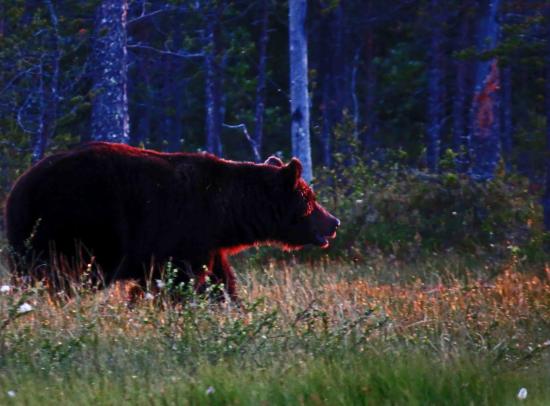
302,220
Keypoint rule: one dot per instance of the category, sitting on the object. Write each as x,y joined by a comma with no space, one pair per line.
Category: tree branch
12,80
166,52
144,16
252,143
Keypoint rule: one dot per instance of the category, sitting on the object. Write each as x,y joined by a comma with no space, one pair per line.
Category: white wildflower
522,394
5,288
160,283
24,308
210,390
149,296
11,393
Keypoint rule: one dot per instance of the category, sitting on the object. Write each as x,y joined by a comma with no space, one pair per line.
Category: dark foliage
406,82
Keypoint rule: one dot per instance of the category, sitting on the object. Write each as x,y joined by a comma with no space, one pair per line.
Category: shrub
386,205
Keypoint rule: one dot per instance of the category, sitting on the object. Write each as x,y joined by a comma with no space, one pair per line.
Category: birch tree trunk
110,120
299,97
485,139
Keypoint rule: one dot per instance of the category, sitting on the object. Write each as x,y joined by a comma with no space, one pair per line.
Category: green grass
328,333
367,378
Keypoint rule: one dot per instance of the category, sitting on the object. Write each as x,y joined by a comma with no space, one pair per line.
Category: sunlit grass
324,333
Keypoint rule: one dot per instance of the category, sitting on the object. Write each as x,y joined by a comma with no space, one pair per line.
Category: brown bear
129,207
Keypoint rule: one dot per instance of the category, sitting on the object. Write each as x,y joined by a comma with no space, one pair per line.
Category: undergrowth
329,333
386,205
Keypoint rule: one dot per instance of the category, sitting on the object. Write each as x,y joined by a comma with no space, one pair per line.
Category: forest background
449,91
424,125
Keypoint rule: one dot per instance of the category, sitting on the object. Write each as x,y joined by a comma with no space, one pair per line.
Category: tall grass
383,332
370,379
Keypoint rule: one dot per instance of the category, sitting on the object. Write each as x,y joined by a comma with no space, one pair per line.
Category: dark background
436,87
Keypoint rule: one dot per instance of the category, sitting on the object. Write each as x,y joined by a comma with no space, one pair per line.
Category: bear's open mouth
323,240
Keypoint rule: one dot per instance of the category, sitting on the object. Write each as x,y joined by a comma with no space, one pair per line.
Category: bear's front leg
221,272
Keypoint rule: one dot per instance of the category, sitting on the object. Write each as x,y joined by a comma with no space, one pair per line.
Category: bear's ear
292,172
274,161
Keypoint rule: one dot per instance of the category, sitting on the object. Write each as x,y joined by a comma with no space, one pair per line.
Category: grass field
442,331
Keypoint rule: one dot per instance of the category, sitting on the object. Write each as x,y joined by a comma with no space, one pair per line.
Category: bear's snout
325,226
336,224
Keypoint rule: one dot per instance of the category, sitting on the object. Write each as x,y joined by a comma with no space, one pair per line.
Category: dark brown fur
130,207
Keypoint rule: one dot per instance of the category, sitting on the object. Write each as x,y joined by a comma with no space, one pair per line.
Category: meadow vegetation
436,291
328,333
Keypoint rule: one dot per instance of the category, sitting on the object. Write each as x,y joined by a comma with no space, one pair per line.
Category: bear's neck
246,218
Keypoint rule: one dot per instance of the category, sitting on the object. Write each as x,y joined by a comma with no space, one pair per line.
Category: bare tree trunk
260,88
110,120
213,99
435,90
299,103
485,140
48,90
